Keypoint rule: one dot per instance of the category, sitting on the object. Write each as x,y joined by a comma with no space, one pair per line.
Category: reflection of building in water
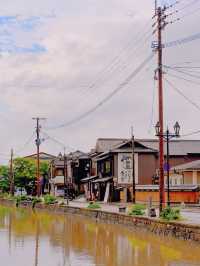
69,239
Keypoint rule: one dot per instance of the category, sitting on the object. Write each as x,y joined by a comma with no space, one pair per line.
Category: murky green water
44,239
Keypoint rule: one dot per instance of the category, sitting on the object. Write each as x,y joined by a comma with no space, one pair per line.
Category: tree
4,178
44,168
44,171
24,173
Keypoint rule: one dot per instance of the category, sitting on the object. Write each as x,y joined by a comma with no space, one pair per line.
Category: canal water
41,238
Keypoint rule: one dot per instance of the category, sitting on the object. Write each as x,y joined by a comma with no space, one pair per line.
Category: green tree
24,173
44,168
4,178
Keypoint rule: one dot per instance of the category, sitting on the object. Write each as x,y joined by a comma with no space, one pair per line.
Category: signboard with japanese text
125,168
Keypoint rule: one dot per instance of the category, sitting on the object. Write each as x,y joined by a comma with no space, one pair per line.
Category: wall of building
147,164
175,196
187,178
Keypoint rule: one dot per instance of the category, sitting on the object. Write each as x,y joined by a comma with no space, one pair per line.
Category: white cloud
81,38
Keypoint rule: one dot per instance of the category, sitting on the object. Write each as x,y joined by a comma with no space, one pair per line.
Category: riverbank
179,230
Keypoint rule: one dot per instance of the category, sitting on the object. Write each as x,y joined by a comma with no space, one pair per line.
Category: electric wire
191,133
152,105
116,60
28,141
64,146
185,40
183,72
182,78
182,94
107,98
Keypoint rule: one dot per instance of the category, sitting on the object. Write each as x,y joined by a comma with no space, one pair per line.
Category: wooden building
77,167
111,171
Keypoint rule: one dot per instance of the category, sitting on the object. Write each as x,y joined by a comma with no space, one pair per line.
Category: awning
102,158
102,180
89,178
172,188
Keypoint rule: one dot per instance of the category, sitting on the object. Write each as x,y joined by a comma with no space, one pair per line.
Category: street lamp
168,136
61,157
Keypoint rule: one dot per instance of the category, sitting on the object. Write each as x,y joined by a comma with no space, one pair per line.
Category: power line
185,40
183,72
30,139
57,141
152,106
107,98
188,5
182,94
182,78
116,60
191,133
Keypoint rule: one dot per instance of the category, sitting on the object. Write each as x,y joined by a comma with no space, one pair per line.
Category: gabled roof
43,156
179,147
105,144
194,165
77,155
126,146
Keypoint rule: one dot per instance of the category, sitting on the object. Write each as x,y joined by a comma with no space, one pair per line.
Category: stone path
189,215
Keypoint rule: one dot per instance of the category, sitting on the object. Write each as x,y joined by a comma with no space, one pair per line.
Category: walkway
189,215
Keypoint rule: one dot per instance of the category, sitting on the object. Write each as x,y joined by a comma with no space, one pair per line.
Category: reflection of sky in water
28,238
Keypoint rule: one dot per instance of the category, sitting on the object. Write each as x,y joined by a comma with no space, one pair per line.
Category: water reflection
40,238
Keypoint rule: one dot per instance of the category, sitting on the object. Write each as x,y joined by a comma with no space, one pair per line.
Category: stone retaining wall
174,229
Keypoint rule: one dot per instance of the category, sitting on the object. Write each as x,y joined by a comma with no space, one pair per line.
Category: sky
60,59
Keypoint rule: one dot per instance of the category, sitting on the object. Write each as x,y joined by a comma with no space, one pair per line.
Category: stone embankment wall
156,226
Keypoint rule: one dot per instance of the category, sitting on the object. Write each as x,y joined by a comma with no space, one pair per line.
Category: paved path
189,215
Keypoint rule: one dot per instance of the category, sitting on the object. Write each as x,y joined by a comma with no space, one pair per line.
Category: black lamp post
168,136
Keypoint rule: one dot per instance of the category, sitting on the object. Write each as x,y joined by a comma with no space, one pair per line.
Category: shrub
49,199
137,209
170,214
93,205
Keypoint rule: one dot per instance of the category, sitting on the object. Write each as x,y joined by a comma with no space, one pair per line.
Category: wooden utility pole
11,174
133,164
160,25
38,142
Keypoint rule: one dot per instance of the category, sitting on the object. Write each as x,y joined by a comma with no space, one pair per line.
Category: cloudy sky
60,59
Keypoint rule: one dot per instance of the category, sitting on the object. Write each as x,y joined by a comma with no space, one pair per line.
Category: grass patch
49,199
93,205
170,214
137,209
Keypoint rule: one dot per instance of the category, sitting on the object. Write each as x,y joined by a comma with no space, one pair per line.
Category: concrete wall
173,229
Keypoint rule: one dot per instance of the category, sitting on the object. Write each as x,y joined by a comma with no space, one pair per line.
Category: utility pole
160,14
133,164
66,188
160,100
160,25
38,142
11,174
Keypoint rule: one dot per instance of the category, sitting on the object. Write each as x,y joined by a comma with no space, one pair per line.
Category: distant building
43,156
111,172
77,167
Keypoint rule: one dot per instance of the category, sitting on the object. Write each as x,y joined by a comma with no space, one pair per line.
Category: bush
49,199
137,209
93,205
170,214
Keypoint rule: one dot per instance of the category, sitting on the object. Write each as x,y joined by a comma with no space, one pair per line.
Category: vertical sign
125,168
